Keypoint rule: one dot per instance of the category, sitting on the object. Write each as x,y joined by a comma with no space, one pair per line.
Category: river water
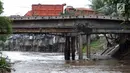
36,62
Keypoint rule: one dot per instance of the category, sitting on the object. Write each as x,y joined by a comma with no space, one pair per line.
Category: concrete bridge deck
68,24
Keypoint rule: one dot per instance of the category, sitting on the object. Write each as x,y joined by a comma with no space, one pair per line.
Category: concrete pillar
80,48
73,47
88,51
33,43
77,45
67,48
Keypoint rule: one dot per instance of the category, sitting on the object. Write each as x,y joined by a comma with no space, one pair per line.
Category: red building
45,10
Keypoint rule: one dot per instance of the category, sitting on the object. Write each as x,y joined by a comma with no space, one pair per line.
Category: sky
21,7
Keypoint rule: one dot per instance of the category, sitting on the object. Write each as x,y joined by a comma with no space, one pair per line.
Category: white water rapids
36,62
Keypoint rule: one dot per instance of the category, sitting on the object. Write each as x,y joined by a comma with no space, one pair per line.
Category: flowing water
36,62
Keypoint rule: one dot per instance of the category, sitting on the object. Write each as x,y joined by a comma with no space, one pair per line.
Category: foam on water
30,56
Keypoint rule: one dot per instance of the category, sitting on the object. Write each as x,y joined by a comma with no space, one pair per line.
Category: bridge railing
65,17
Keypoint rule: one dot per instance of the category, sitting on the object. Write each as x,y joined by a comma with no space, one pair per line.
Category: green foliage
5,31
126,14
5,28
108,7
4,65
97,4
100,6
1,7
84,48
94,45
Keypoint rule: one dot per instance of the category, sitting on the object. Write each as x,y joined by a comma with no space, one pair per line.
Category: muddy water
35,62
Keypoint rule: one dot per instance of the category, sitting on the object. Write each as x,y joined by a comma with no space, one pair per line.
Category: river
36,62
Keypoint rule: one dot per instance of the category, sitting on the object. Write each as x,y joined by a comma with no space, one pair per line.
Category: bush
5,65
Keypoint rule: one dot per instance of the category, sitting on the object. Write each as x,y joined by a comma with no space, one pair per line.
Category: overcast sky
20,7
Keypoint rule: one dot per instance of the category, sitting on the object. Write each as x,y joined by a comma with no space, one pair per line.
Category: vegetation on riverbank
5,30
5,66
95,45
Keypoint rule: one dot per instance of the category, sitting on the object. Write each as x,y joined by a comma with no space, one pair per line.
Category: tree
126,13
109,7
1,7
5,31
97,4
100,6
5,25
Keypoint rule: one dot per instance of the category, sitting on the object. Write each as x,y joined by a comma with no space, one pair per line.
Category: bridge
71,27
65,24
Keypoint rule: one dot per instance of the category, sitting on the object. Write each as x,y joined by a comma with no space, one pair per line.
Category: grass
94,45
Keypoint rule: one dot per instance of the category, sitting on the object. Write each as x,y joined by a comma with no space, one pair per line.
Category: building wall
45,10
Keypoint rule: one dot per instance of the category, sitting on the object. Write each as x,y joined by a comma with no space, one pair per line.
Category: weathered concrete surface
98,24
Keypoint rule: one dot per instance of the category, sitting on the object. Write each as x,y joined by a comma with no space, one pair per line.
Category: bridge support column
88,51
73,47
67,48
80,48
